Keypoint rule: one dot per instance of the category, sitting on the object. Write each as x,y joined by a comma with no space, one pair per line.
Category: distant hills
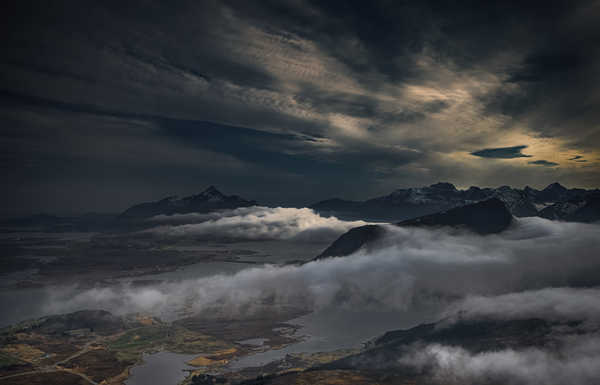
208,200
414,202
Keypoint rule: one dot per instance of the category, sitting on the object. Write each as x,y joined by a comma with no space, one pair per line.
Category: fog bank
411,267
252,223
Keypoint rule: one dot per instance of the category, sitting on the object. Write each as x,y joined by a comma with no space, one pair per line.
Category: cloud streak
502,152
544,163
554,304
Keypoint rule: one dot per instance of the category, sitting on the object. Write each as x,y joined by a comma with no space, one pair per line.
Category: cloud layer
536,269
404,272
578,364
543,163
253,223
554,304
502,152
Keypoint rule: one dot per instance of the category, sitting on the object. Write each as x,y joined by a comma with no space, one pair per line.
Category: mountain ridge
208,200
407,203
485,217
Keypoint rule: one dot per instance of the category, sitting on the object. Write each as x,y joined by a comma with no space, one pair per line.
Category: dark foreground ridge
486,217
475,336
353,240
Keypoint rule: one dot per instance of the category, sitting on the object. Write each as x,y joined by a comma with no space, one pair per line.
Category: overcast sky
105,104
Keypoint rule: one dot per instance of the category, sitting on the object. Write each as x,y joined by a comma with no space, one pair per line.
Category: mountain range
553,202
208,200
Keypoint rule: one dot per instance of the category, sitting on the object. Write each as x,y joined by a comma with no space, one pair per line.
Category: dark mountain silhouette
208,200
556,192
553,202
353,240
486,217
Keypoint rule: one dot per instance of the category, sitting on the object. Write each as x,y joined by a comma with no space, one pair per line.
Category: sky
107,104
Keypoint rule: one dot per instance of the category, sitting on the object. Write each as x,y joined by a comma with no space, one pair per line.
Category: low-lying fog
253,223
411,266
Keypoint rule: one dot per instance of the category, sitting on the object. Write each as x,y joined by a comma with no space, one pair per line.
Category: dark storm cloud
113,33
335,92
383,37
145,157
552,87
502,152
543,163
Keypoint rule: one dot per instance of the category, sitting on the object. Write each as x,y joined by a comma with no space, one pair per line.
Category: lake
164,368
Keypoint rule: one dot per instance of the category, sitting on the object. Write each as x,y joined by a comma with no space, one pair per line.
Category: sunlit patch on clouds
253,223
